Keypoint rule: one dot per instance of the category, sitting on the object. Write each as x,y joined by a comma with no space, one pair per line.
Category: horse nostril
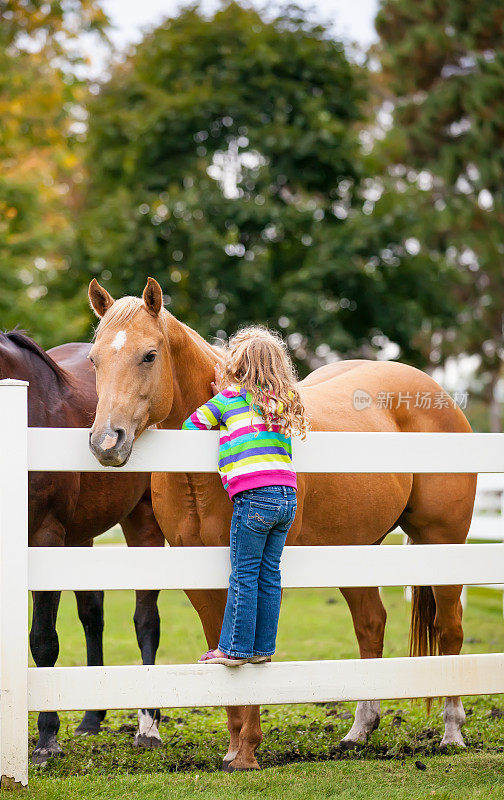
121,436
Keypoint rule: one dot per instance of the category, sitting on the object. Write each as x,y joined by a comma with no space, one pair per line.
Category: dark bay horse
152,369
69,510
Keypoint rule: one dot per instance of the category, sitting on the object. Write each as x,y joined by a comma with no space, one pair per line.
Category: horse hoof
147,742
90,724
348,744
444,747
85,730
231,768
41,755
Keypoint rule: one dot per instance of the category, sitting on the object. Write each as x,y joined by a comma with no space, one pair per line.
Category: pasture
314,624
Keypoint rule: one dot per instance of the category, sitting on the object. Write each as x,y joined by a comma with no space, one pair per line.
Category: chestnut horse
70,509
152,369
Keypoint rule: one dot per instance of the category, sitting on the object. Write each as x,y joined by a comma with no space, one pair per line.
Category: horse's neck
193,370
50,403
53,405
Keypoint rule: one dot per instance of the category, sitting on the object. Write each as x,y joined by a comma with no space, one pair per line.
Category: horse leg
438,609
250,737
147,627
369,617
448,626
235,720
44,647
90,610
242,721
140,529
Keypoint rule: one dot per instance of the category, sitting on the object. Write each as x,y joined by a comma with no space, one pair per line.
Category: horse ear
153,297
99,298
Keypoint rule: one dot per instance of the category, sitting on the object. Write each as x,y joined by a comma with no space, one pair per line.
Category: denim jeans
259,527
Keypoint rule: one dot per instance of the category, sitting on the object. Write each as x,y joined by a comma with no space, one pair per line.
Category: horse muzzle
111,447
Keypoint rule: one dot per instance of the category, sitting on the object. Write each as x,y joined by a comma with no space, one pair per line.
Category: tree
224,158
39,166
444,64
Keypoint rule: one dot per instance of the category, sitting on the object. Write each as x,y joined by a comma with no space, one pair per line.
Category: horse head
131,356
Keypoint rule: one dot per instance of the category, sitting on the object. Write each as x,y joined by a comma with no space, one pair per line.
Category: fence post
13,584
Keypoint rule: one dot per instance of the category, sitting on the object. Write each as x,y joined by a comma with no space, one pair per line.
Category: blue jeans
259,527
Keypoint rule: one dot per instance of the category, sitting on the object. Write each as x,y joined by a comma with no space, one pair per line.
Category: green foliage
277,99
39,168
224,156
444,62
285,81
224,159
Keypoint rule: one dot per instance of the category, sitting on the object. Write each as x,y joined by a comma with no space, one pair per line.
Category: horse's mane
121,312
20,339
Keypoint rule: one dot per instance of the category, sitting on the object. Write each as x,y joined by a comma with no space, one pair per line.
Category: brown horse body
333,509
71,509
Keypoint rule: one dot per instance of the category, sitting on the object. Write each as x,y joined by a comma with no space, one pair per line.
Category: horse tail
423,637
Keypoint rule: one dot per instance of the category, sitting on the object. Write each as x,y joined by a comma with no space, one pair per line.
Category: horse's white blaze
119,341
147,725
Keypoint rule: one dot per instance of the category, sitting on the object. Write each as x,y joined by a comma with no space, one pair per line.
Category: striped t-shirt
250,456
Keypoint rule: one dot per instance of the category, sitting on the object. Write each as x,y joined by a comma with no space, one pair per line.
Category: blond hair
257,360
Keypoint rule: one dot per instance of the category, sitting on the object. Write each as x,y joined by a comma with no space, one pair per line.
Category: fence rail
189,685
21,569
208,567
66,450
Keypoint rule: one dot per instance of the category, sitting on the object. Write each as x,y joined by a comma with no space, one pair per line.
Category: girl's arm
206,416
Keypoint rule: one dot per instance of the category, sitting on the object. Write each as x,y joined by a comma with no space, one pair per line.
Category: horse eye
92,361
149,358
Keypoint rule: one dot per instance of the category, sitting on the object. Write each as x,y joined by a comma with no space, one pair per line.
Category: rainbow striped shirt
250,456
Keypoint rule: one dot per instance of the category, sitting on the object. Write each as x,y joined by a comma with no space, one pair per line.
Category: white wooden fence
21,569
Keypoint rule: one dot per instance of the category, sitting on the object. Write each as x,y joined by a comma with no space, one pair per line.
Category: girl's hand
218,377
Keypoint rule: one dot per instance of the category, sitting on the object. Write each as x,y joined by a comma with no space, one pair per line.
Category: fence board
13,584
484,527
63,450
208,567
283,682
491,482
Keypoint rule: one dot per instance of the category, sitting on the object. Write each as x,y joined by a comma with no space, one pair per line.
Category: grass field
314,624
467,777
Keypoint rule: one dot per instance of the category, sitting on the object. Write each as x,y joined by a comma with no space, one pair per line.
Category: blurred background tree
40,114
261,174
443,64
224,159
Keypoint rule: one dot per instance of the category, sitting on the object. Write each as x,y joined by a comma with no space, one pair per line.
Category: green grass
450,777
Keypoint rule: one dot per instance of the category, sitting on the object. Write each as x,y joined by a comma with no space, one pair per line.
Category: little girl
257,412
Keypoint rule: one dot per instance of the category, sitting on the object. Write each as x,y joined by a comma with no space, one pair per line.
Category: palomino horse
70,509
152,369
